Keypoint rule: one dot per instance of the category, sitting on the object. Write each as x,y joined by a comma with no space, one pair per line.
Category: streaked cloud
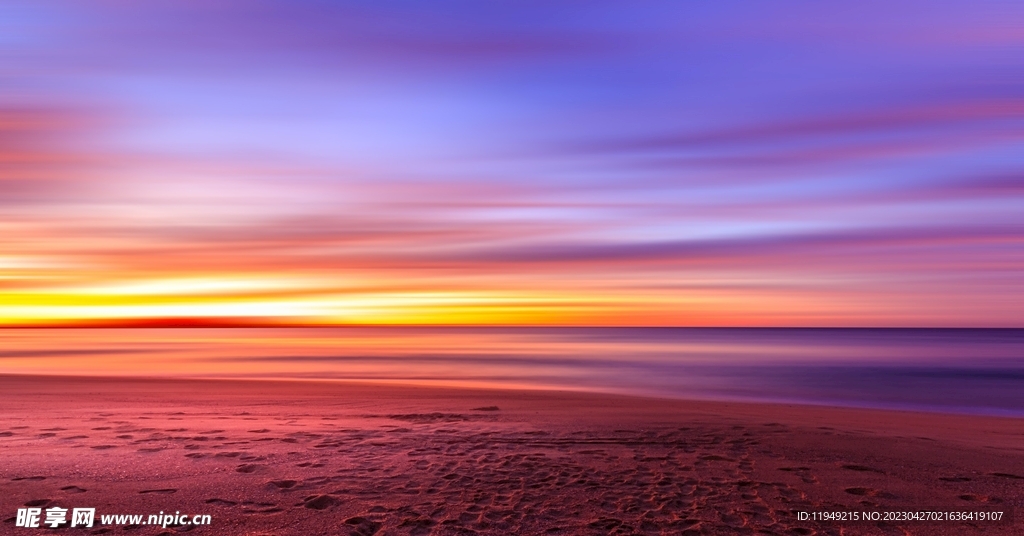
520,163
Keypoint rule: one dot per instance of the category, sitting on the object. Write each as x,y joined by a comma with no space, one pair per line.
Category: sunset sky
570,163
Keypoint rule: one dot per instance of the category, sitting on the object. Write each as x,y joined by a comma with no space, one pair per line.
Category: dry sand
350,458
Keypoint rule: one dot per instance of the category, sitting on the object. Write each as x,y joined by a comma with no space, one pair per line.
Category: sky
464,162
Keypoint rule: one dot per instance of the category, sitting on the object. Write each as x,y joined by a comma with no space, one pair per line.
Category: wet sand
356,458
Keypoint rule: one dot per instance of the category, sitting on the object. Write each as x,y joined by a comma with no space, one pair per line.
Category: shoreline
912,409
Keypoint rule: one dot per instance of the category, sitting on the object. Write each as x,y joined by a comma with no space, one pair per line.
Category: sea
971,371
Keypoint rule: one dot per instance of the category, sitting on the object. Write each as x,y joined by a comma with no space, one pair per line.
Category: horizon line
235,323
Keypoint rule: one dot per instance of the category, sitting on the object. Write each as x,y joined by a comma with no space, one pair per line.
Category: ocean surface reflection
964,371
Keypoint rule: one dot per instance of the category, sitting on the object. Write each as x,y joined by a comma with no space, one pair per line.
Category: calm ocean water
963,371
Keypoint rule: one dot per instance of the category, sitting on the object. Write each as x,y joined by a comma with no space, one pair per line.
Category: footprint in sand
870,492
418,526
38,502
221,502
803,472
970,497
165,491
73,489
283,484
605,523
862,468
262,508
363,526
716,458
319,502
248,468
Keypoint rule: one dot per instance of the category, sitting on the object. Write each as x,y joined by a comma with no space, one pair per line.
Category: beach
304,457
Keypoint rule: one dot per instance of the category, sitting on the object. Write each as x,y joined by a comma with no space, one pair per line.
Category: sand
354,458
